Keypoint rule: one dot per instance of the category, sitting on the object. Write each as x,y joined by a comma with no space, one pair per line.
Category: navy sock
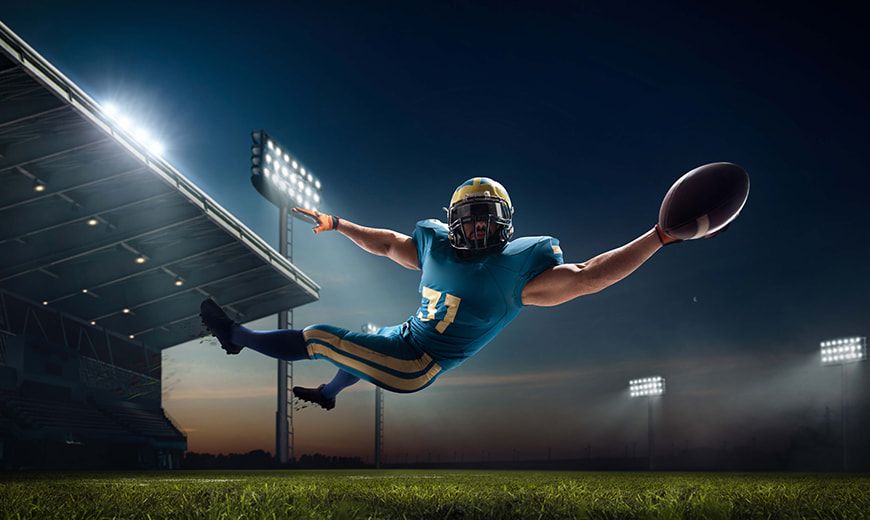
286,344
341,381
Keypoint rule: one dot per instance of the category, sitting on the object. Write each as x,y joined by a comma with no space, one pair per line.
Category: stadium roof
114,228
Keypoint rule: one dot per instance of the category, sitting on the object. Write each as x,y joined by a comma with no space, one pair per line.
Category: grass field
430,494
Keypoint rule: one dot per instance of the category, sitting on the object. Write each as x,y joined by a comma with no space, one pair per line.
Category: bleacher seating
63,416
5,423
65,403
143,422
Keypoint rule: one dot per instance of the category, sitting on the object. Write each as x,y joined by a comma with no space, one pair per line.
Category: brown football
704,201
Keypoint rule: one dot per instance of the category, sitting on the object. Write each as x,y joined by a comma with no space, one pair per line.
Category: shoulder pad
432,223
544,245
521,244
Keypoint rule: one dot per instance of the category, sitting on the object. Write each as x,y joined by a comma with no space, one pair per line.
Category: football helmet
480,215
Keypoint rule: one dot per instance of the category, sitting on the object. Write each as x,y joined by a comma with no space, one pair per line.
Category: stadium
105,253
107,250
726,380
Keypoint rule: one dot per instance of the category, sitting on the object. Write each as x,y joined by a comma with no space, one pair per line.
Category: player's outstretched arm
382,242
396,246
565,282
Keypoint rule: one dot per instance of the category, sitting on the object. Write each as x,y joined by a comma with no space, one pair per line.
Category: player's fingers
324,223
664,238
321,221
307,214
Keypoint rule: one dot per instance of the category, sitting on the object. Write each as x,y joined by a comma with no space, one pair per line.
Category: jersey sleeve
424,236
546,253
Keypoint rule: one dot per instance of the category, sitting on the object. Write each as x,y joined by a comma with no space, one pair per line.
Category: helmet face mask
480,215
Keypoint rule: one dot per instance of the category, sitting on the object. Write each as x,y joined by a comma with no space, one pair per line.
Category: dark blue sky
586,113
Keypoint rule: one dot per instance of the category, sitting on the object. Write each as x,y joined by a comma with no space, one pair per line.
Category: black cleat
313,395
219,324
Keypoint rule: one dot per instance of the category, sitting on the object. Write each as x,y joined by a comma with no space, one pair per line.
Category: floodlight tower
842,351
649,387
379,409
285,182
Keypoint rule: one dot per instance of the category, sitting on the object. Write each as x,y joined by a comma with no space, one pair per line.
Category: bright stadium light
841,352
648,387
370,328
140,134
280,177
844,350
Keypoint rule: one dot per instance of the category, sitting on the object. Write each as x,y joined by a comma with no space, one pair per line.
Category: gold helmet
481,202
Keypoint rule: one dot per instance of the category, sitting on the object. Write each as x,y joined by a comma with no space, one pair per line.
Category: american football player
475,279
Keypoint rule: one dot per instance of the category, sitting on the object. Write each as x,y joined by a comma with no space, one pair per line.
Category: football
704,201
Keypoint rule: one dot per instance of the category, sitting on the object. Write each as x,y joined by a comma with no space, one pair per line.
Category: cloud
222,393
236,391
531,378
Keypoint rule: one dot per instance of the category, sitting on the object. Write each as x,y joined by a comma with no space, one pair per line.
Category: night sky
586,113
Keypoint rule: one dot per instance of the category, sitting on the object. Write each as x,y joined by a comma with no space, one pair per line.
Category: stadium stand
61,408
142,422
105,253
62,416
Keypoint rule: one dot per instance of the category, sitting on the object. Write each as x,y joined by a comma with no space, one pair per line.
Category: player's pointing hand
322,221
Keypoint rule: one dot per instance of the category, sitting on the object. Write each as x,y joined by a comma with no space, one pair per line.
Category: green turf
430,494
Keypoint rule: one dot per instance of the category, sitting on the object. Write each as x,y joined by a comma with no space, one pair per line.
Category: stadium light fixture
369,328
841,352
284,181
280,176
648,387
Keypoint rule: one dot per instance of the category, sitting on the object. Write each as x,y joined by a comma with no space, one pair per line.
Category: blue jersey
467,301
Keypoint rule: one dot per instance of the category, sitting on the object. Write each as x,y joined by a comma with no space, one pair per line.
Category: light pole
285,182
648,387
842,351
370,328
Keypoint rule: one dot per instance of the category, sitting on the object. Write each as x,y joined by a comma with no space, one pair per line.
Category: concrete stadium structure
105,253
